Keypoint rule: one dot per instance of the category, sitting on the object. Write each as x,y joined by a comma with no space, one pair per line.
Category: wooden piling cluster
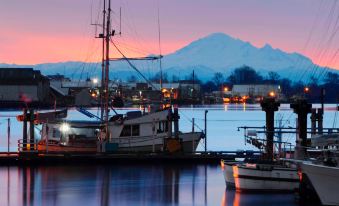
28,143
301,107
270,105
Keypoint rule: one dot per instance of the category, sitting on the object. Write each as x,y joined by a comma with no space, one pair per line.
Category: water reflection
125,185
110,185
232,198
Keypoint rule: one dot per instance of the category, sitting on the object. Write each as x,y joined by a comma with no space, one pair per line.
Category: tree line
248,75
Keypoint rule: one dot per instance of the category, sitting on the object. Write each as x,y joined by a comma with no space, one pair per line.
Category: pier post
314,121
47,131
176,123
24,131
169,118
206,111
321,111
8,133
301,107
320,121
193,138
270,105
31,129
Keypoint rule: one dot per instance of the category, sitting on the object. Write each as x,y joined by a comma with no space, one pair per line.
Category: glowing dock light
306,89
95,80
64,127
225,89
272,94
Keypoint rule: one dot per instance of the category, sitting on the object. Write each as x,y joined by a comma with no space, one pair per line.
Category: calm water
125,185
134,184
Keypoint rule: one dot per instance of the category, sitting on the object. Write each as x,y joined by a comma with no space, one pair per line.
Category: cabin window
135,130
126,131
162,127
55,133
166,126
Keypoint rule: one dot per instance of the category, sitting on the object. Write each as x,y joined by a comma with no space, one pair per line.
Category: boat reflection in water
233,198
124,184
110,185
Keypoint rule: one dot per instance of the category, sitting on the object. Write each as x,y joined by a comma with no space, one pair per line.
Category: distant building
78,92
180,92
255,90
23,85
189,89
67,86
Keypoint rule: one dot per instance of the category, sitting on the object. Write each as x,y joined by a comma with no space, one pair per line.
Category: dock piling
206,111
24,131
8,134
270,105
301,107
176,123
31,129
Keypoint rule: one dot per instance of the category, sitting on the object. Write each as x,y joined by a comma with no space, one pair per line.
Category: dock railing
27,146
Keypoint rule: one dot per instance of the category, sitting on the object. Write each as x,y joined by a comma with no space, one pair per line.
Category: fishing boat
323,173
227,168
324,180
151,132
260,177
266,173
133,132
265,177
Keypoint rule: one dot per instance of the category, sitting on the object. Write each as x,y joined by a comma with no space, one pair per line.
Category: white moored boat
227,169
150,132
133,132
261,177
257,177
323,174
325,181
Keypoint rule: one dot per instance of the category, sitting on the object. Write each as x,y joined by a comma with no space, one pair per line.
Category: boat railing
27,146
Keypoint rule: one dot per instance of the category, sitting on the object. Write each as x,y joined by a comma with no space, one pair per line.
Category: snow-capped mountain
223,53
217,52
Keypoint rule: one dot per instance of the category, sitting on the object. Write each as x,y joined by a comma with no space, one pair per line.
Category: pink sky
40,31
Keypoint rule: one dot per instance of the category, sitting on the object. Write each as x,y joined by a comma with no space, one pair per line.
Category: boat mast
103,63
160,63
106,90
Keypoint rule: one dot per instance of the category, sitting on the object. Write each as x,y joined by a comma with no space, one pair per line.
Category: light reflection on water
124,185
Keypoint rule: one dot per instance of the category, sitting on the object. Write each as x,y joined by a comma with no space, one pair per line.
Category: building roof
20,76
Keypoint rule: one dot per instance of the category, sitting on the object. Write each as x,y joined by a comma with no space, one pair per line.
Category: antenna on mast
120,22
109,33
159,41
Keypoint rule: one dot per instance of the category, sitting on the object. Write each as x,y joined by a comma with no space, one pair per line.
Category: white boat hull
325,181
190,142
270,180
227,168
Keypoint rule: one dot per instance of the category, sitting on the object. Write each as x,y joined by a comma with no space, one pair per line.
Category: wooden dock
33,158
